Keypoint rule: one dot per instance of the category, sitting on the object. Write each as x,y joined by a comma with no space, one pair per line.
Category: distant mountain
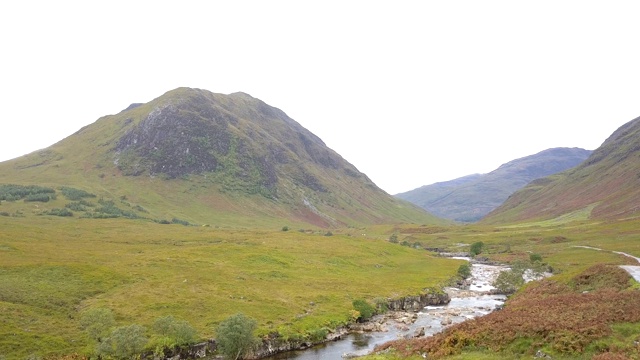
470,198
605,186
212,159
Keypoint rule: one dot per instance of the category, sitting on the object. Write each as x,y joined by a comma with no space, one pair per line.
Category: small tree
124,342
175,332
97,323
365,309
535,257
509,281
235,336
476,248
464,270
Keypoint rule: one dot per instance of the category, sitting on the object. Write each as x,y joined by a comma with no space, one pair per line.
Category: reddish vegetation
567,317
422,230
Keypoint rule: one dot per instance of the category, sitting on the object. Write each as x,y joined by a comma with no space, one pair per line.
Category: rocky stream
360,339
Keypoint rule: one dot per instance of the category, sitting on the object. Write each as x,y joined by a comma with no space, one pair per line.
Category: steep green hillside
210,158
469,198
605,186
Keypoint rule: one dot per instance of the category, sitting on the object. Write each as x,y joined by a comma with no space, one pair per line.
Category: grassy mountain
605,186
471,197
209,158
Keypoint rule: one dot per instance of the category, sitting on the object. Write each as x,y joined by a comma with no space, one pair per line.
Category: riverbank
361,338
362,335
409,317
594,312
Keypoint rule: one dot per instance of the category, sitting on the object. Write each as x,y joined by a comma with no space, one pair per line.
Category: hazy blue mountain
469,198
604,186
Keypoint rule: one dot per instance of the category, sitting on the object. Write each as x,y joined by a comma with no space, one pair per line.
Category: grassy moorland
53,269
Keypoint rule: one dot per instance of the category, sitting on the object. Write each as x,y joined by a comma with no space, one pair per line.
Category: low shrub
75,194
37,198
179,221
365,309
59,212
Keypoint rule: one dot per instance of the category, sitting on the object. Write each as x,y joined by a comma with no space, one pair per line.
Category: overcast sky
410,92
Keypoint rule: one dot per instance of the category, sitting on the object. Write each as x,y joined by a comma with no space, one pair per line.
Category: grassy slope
605,184
54,268
86,160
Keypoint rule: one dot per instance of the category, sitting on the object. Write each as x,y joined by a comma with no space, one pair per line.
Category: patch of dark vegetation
76,206
558,239
140,209
12,192
107,209
39,197
75,194
58,212
179,221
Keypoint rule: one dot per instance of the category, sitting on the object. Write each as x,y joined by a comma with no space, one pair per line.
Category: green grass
294,282
54,269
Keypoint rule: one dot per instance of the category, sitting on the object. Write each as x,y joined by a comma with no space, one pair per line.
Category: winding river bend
465,304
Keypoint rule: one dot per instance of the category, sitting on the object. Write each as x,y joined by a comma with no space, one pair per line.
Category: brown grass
559,316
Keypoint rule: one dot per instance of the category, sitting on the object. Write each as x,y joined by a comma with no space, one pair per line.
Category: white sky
410,92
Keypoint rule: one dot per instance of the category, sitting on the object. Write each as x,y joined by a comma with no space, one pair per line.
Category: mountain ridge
469,198
604,186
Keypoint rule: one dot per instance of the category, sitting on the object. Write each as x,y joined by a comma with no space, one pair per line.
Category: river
465,304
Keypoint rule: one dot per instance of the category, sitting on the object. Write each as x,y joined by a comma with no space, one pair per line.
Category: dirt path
633,270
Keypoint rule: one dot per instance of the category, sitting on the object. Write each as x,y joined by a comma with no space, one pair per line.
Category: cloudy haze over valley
409,92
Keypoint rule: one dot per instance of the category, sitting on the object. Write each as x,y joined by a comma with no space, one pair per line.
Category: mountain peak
220,148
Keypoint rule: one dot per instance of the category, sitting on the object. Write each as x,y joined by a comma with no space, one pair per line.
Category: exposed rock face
418,302
243,141
195,351
274,344
175,141
398,309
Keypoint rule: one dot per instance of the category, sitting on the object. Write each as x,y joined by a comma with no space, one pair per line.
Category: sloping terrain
605,186
469,198
211,159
